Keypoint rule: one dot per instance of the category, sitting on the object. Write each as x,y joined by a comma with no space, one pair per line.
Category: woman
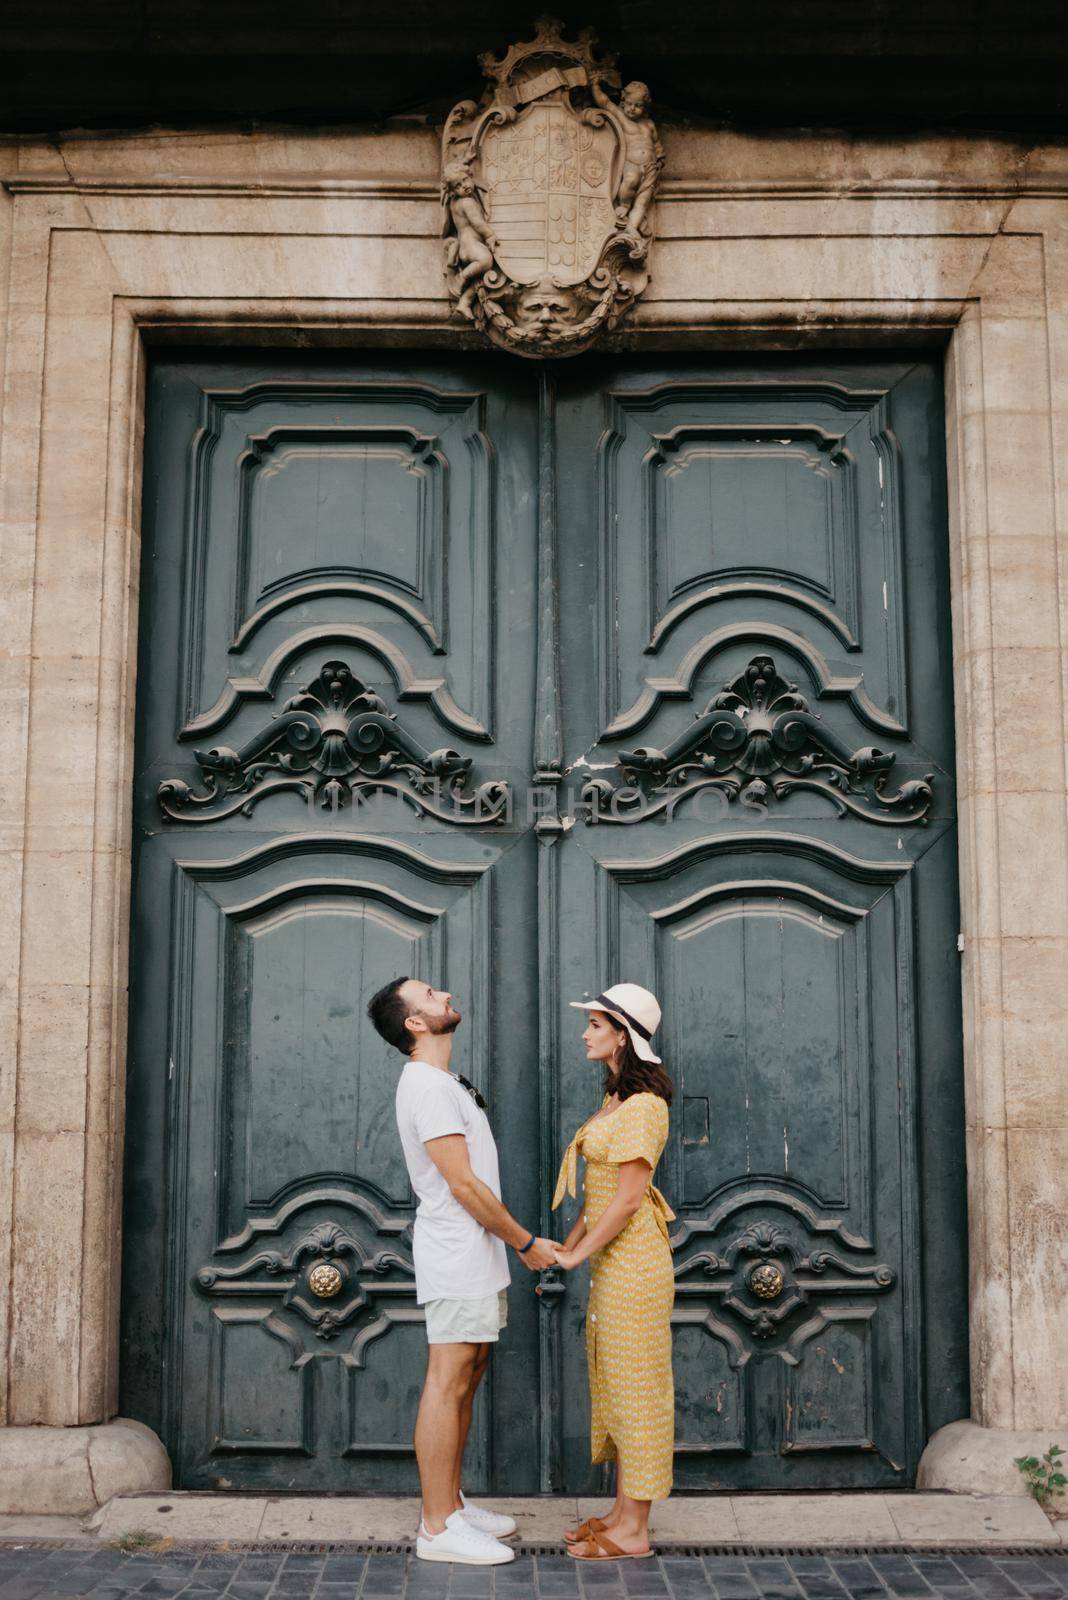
623,1233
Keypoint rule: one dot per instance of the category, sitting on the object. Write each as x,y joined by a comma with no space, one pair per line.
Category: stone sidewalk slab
861,1519
197,1518
387,1518
948,1518
809,1521
16,1525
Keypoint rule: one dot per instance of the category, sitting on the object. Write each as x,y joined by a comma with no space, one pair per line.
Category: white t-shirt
455,1257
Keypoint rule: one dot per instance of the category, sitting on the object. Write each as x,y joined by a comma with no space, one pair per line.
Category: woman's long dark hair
635,1076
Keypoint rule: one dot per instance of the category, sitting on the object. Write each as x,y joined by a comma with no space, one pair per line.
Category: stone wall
763,243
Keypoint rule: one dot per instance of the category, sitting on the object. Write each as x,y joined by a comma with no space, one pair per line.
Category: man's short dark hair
388,1011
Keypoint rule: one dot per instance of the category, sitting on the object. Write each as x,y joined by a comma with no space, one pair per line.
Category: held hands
541,1254
565,1258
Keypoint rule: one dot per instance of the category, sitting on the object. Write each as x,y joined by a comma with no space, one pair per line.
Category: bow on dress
567,1183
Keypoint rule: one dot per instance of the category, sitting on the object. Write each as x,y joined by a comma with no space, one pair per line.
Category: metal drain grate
370,1547
764,1551
843,1552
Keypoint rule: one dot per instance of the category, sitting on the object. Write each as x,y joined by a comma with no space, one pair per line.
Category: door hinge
960,944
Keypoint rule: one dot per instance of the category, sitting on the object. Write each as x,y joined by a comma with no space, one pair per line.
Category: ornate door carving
757,715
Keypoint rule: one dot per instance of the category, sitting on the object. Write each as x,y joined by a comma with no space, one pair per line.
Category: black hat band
613,1005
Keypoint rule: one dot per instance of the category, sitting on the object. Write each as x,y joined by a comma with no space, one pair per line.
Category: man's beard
446,1024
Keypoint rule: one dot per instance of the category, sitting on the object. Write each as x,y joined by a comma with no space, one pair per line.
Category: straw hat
635,1008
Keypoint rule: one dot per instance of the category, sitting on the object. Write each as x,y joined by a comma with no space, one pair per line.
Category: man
461,1261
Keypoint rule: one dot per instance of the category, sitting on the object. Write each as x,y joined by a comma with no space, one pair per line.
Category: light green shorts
476,1321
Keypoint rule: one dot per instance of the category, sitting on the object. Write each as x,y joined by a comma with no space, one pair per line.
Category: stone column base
968,1459
66,1471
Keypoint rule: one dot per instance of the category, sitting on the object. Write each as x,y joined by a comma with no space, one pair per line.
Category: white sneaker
461,1542
495,1523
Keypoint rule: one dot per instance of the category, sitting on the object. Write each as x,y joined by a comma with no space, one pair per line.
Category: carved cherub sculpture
471,249
643,156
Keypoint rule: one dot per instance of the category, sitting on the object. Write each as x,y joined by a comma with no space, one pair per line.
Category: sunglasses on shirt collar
466,1083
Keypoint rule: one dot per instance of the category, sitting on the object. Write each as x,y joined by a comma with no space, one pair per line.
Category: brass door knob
766,1281
325,1280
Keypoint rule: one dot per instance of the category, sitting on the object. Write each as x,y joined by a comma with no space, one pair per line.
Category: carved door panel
756,696
327,744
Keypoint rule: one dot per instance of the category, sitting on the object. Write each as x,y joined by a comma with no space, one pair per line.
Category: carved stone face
635,101
458,180
545,306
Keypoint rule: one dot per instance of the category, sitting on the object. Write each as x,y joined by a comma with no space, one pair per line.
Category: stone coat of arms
546,193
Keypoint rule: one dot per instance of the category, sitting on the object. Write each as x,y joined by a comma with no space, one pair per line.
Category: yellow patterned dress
632,1289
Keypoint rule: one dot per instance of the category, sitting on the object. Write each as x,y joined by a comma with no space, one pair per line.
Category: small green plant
134,1539
1045,1478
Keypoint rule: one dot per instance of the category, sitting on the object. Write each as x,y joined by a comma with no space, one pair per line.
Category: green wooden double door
525,682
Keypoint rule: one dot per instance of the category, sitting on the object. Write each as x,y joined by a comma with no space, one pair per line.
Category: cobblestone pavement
35,1573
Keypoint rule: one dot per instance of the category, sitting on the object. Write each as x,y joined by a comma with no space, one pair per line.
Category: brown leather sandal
605,1550
583,1531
